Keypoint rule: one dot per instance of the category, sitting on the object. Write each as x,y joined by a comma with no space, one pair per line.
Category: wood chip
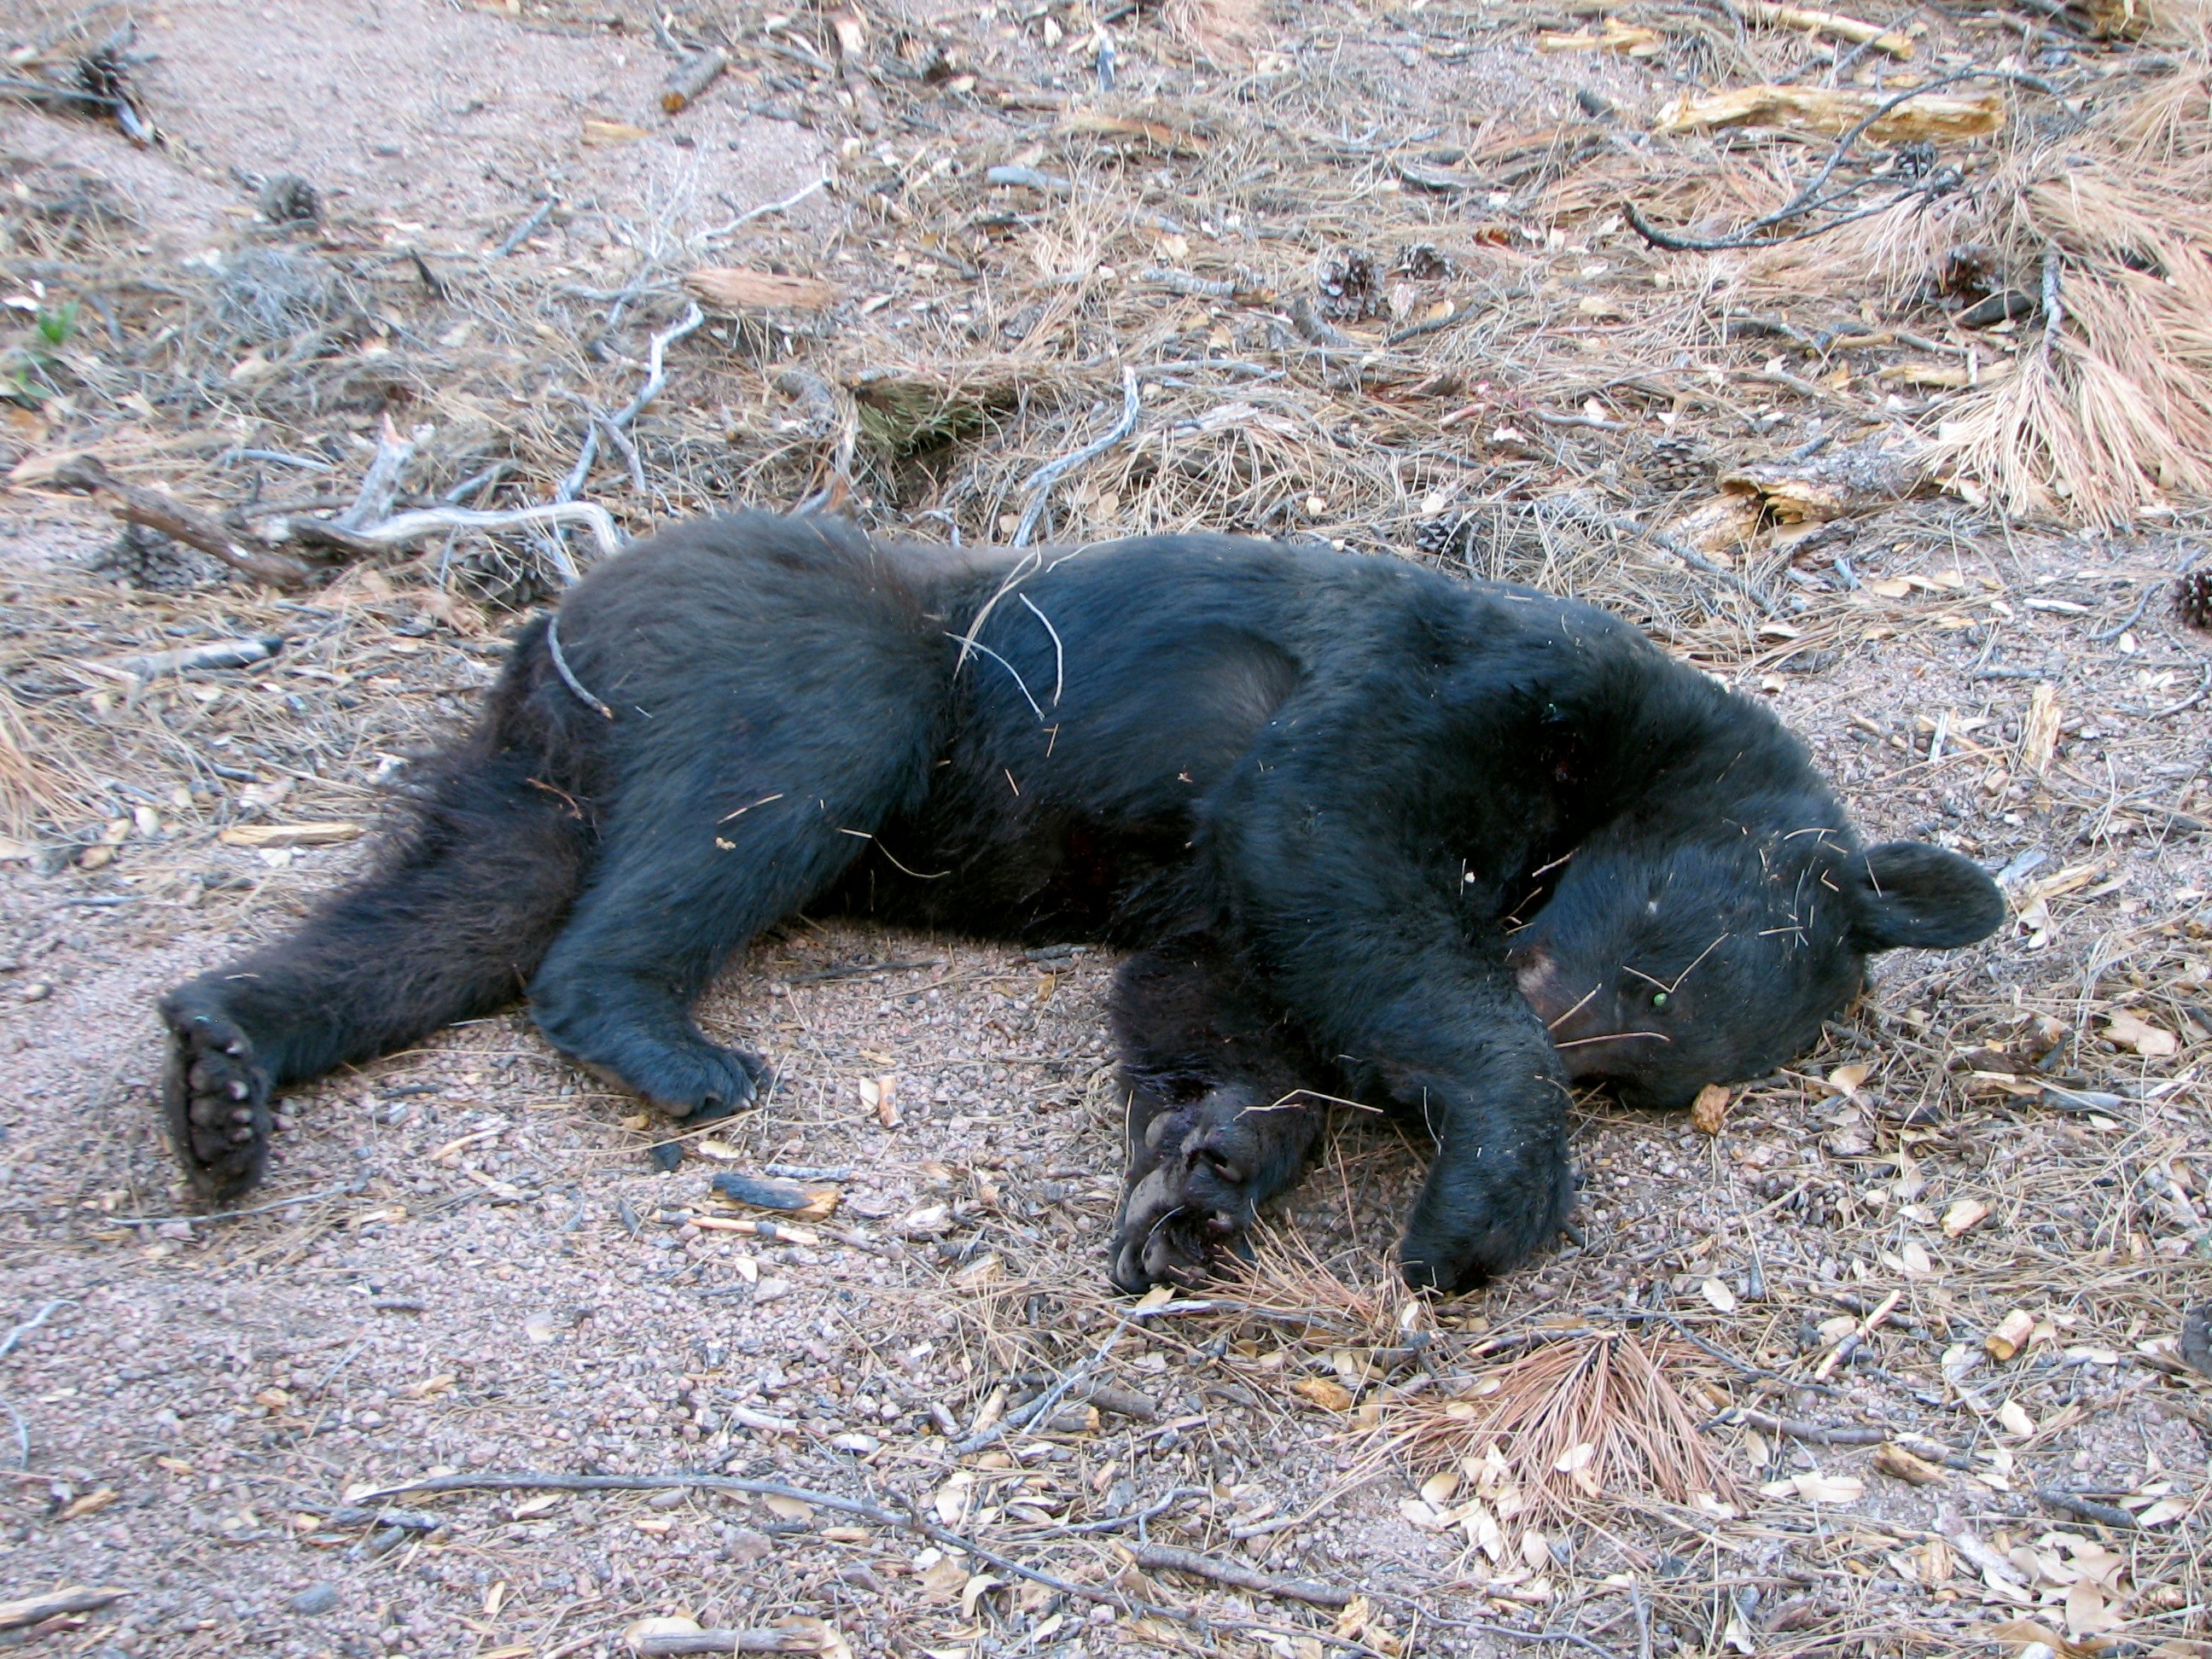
1710,1110
1895,1461
2011,1335
736,288
1820,109
598,132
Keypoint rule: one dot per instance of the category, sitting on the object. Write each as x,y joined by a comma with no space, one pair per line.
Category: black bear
1369,828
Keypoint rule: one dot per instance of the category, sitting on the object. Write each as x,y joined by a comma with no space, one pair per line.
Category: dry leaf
1847,1081
1722,1298
1964,1217
735,288
787,1509
91,1503
975,1590
942,1581
597,131
1818,1488
2129,1030
953,1498
1710,1110
288,834
1895,1461
2011,1335
1321,1391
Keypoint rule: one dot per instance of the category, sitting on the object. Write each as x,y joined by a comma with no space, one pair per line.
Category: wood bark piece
37,1609
691,78
736,288
1855,30
1821,109
189,524
1830,485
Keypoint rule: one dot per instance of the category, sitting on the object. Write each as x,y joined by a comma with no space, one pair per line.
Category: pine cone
2192,598
1447,537
1677,462
149,559
1350,291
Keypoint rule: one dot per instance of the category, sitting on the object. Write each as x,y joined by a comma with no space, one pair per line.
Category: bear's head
1675,955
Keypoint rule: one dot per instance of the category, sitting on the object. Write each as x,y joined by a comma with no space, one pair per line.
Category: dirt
463,1262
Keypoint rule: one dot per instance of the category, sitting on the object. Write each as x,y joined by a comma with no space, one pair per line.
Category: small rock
36,991
173,1229
315,1600
743,1546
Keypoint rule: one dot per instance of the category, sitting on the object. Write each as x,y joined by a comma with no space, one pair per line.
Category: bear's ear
1906,892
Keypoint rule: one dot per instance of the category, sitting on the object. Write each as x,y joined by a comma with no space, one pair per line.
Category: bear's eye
1658,999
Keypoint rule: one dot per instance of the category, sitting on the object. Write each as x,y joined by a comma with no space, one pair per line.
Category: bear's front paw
1190,1193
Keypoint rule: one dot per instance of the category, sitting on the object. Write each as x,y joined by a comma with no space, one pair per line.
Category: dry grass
1575,1424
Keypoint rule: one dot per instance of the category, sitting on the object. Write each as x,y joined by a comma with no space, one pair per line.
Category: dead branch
718,1640
37,1609
1236,1574
1040,482
216,654
1813,22
189,524
380,485
691,78
1848,1434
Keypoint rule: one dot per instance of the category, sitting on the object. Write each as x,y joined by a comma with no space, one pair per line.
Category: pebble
36,991
315,1598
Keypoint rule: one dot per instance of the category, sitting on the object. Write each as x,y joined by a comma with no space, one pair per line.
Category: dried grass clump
32,789
2108,411
1224,33
1556,1431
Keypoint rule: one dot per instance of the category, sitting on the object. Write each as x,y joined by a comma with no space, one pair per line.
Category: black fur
1371,830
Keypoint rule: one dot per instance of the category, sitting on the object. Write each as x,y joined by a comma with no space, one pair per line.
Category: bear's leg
449,927
711,841
1217,1119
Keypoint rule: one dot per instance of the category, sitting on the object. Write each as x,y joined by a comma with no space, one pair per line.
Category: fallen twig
189,524
2086,1508
528,228
214,653
1855,30
37,1609
1042,1407
1848,1434
656,376
690,78
874,1514
1040,482
715,1639
1236,1574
